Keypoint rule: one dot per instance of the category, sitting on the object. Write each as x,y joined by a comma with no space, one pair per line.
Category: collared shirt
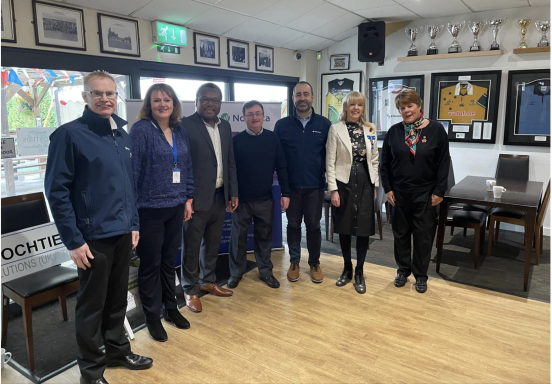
113,124
305,120
253,133
463,87
215,138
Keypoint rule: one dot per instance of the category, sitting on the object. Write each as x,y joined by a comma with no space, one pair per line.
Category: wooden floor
319,333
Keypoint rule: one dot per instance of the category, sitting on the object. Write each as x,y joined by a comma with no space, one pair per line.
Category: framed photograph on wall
468,101
206,49
339,62
381,99
8,22
58,26
264,59
334,89
528,108
238,54
118,35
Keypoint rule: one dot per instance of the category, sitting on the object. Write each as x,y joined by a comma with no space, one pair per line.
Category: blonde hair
353,97
408,96
96,75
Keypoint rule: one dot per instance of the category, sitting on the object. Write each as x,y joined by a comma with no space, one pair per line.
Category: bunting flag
65,74
13,78
72,79
5,78
40,73
49,79
52,73
25,73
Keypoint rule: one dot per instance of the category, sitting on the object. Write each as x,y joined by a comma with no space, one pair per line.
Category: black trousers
101,305
413,220
262,213
202,236
160,234
307,204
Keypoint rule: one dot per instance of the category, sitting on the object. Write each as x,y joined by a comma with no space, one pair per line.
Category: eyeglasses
257,114
206,100
98,95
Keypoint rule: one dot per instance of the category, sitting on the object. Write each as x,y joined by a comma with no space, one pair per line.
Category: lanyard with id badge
176,171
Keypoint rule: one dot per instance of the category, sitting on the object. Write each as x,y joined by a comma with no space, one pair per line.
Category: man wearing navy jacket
303,136
90,190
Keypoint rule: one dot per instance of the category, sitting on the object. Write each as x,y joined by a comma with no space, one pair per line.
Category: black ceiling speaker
371,41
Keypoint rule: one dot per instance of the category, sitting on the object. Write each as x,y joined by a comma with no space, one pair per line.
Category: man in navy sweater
258,153
303,136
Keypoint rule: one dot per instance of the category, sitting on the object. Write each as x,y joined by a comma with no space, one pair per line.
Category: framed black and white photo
118,35
339,62
264,58
58,26
206,49
238,54
8,22
382,91
528,108
468,101
334,89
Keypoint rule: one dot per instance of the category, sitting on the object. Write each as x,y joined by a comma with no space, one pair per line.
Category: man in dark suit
216,191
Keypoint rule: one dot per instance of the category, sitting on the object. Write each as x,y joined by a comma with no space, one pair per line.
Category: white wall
468,158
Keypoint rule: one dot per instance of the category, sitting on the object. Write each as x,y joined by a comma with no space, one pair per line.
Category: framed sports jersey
468,103
528,108
334,89
381,99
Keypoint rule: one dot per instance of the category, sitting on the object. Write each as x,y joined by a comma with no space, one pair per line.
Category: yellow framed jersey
337,90
462,102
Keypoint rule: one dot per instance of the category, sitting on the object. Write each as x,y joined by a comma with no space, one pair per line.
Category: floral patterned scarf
412,133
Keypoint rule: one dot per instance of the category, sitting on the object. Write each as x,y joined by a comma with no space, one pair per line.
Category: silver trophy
496,24
543,27
454,30
433,31
476,28
524,23
412,35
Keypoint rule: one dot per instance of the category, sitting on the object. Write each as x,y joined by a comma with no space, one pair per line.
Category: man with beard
303,136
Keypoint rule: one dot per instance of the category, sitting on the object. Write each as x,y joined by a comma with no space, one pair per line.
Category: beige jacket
339,154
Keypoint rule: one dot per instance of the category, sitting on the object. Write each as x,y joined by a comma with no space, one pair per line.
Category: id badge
176,176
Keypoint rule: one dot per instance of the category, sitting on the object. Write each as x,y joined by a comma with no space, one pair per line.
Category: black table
520,195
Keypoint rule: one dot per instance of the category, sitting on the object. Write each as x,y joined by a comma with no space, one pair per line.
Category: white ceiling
293,24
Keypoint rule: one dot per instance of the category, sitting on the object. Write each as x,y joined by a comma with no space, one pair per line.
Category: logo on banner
225,116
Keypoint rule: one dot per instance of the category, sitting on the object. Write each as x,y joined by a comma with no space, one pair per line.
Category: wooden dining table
520,195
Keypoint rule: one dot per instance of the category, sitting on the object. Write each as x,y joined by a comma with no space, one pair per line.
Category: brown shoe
216,290
316,273
293,272
193,303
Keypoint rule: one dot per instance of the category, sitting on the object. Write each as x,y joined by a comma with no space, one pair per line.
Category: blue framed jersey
533,104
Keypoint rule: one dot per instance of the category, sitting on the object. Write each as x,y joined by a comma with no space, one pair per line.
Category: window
185,89
263,93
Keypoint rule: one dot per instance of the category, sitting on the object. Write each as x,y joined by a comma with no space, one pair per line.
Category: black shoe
132,361
360,283
400,280
345,278
270,281
233,282
101,380
421,285
156,330
174,317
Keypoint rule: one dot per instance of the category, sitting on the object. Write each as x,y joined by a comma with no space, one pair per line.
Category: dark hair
251,104
208,85
145,111
408,96
302,82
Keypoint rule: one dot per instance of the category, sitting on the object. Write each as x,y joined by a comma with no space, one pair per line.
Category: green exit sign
168,49
169,34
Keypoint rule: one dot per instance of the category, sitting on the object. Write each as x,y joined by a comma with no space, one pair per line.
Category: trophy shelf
518,51
452,55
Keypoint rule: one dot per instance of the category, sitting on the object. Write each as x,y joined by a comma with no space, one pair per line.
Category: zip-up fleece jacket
89,182
305,150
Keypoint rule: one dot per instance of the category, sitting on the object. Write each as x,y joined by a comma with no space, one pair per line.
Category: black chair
20,212
327,205
512,167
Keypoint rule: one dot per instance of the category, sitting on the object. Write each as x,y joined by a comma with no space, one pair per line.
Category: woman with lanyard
164,185
414,170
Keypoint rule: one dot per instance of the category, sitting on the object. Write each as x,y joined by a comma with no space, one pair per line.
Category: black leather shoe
101,380
360,283
421,285
132,361
400,280
233,282
270,281
156,330
174,317
345,278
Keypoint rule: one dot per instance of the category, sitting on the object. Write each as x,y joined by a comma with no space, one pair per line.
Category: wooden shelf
519,51
452,55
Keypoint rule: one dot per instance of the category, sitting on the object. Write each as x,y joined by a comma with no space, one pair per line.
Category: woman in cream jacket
352,172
